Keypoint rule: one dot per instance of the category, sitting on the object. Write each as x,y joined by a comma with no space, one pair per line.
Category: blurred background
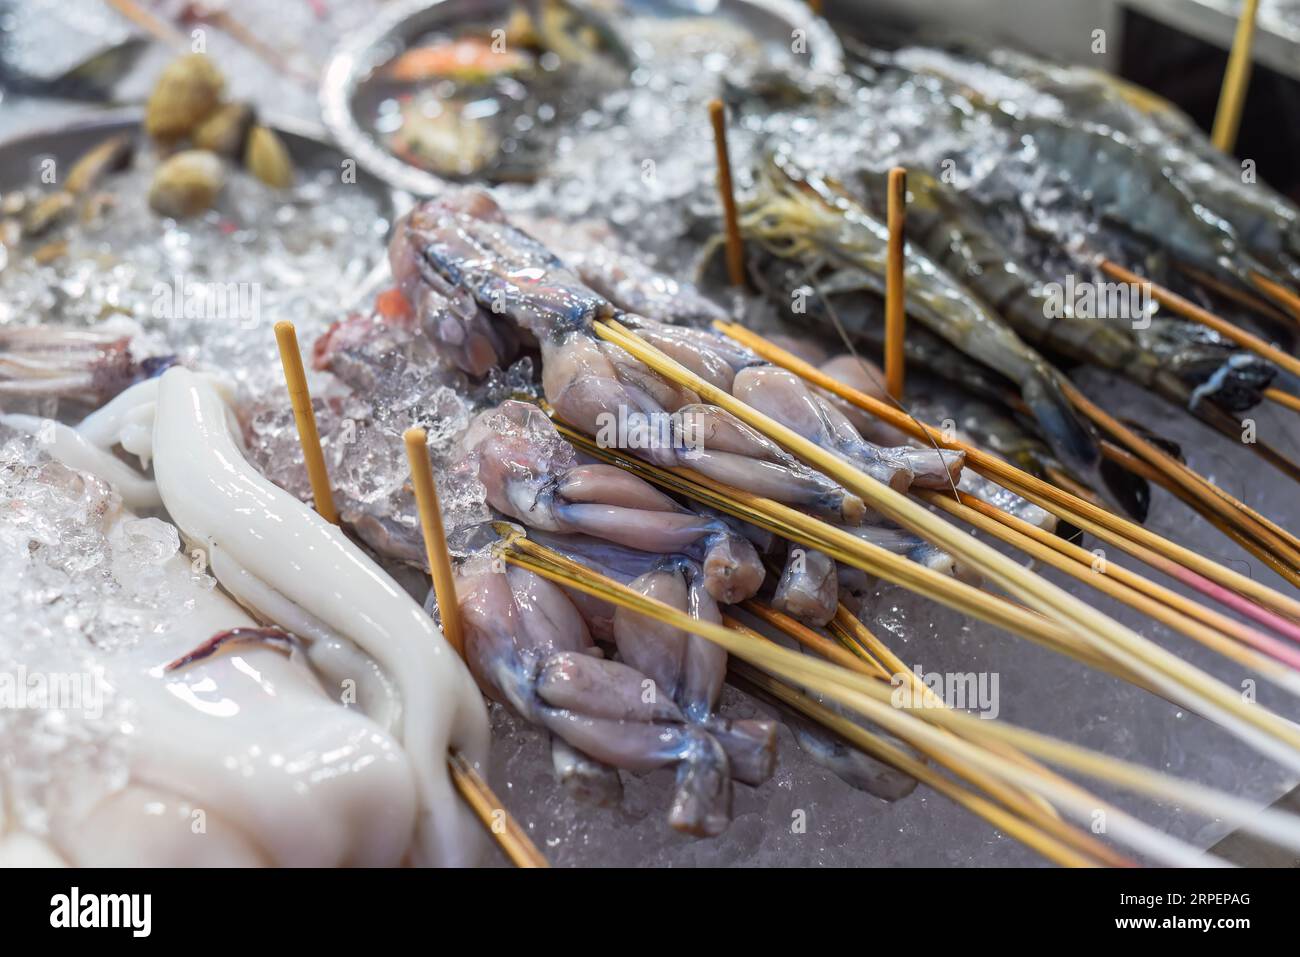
1178,48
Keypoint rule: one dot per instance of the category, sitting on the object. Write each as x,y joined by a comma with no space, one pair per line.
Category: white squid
286,564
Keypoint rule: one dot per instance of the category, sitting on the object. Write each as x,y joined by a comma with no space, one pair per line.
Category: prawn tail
1073,441
1077,446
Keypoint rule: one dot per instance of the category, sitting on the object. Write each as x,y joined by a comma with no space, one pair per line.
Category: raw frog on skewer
461,249
981,425
533,476
530,648
666,654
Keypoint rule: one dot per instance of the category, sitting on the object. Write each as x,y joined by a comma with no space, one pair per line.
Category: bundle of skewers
765,448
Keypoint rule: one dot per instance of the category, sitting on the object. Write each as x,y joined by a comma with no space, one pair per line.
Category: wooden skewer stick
435,537
811,639
1236,78
895,285
1207,616
1174,558
727,193
1237,295
1230,509
1278,293
304,416
1189,310
848,549
1156,477
847,626
1027,804
512,838
1170,612
802,529
879,748
1282,398
487,807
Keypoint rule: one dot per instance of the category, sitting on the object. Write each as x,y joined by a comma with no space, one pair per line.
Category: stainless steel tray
771,21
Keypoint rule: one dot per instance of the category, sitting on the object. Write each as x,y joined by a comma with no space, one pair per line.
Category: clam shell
267,159
188,90
187,183
226,130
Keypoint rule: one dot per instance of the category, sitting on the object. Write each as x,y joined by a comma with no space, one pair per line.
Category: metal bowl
308,146
357,61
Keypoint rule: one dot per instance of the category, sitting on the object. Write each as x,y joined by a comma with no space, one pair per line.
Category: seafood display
688,578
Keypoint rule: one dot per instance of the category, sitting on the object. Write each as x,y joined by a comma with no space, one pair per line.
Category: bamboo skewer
1029,805
846,624
1207,616
304,416
1282,398
1278,293
1155,476
512,838
1011,530
1190,310
151,23
811,639
435,538
1236,79
1239,296
1186,575
727,194
1234,512
870,699
504,829
1268,524
273,56
849,625
884,665
487,807
797,527
802,529
1267,732
895,285
1174,558
1028,834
